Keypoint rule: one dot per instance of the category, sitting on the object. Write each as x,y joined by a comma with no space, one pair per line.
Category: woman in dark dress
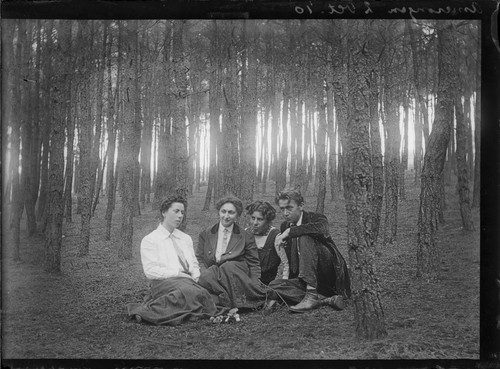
229,260
169,262
273,262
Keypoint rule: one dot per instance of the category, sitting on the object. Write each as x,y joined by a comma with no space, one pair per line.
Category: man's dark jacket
315,226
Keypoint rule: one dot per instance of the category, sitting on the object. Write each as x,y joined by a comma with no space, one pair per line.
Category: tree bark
376,154
55,213
85,143
476,196
128,150
358,178
321,154
462,166
249,114
428,255
111,127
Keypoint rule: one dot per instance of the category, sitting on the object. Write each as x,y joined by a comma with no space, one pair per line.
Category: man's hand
279,241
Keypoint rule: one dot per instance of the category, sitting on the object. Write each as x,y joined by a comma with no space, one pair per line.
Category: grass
80,313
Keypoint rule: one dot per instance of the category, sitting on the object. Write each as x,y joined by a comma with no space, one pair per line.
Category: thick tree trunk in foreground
428,256
358,175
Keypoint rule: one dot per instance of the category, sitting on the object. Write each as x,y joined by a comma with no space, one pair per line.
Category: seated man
318,272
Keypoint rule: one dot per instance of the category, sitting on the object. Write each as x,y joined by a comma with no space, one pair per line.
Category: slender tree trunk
265,150
112,98
391,124
428,255
331,138
55,213
462,167
214,109
249,114
377,164
477,140
321,153
27,136
404,157
17,111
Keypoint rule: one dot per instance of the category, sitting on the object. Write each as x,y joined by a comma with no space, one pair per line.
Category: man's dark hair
233,200
167,203
289,194
267,210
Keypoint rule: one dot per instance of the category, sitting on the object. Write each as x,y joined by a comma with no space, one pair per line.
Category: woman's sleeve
150,261
199,251
252,256
194,267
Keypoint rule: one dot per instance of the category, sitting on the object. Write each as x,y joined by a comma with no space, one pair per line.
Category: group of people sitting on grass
261,267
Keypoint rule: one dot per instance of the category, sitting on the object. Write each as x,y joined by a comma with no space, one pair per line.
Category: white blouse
159,258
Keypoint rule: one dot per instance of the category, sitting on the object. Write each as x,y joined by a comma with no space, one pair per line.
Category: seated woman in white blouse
169,262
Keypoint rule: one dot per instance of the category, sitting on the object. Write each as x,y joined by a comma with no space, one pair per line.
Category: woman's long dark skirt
231,285
175,300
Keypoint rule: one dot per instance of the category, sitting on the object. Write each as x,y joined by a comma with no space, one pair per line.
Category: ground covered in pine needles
81,313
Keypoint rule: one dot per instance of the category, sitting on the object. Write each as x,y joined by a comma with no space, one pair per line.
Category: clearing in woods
81,312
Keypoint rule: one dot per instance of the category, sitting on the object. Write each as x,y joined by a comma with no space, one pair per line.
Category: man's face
291,210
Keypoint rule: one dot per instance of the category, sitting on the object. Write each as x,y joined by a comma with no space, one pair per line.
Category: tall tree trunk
265,149
376,154
128,150
391,124
321,153
230,158
85,143
27,136
462,167
96,145
179,118
428,255
55,213
111,127
249,114
283,156
214,110
404,157
16,122
68,174
331,138
421,109
476,196
368,313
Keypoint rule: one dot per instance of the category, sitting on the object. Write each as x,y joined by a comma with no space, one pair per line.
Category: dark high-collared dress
234,279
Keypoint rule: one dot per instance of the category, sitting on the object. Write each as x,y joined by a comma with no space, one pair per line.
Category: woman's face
228,214
259,223
172,217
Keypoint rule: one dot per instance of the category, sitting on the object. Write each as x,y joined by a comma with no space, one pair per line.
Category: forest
104,118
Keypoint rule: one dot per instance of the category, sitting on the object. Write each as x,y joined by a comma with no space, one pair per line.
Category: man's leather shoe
335,301
309,302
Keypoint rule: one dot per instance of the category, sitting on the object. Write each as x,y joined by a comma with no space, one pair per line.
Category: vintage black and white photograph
241,188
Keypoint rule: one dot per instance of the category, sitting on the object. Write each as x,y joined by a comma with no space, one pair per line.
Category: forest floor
81,314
